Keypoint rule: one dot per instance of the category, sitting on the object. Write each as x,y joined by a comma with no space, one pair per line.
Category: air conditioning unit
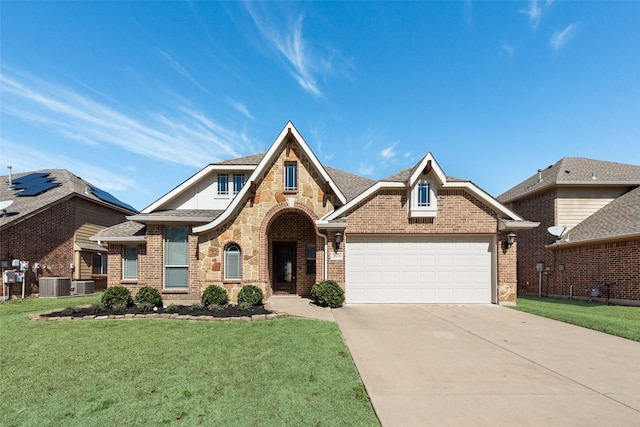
54,287
83,287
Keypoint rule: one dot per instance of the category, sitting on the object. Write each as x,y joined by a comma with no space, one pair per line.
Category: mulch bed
176,311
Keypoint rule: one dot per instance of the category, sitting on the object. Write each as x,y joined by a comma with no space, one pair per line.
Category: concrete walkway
297,306
430,365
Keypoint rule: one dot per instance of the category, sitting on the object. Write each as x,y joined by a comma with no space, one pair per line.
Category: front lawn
161,371
615,320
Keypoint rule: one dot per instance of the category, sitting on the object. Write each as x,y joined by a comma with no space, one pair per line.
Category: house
47,219
283,221
588,243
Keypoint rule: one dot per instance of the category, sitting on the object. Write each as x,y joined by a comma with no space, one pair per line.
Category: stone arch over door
288,230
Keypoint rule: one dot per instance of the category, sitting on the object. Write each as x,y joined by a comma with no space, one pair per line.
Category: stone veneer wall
251,226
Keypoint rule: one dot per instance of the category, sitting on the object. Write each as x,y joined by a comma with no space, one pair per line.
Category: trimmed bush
215,294
244,306
145,306
149,295
251,295
116,295
328,294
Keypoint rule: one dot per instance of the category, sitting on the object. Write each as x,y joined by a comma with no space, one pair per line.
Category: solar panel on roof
31,183
38,188
23,180
106,197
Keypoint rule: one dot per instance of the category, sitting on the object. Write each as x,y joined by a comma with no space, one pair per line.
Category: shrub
145,306
120,308
196,307
327,294
150,295
171,308
250,294
96,308
244,305
215,294
116,295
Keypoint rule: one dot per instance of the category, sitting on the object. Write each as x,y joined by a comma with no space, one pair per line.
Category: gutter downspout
325,272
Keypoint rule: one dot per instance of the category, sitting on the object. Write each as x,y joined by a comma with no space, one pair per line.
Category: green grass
292,372
615,320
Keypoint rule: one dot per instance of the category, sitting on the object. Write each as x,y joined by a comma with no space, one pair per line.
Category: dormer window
238,182
223,184
423,200
291,176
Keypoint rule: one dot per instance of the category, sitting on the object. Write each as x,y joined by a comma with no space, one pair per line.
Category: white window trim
226,270
229,192
235,190
295,187
166,266
430,211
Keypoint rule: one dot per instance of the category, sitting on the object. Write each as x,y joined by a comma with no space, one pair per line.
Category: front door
284,267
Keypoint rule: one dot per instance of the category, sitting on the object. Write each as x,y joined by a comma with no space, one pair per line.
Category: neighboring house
49,221
594,207
283,221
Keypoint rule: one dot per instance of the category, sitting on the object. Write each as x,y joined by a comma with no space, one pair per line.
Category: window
238,182
311,259
423,200
232,262
223,184
290,176
130,262
176,254
99,264
424,195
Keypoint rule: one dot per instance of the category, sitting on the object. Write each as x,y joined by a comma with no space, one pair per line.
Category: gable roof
575,171
406,178
288,133
618,219
70,185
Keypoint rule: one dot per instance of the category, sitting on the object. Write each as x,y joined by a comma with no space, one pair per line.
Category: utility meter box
9,276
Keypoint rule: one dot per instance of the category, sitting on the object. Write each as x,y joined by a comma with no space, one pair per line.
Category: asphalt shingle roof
575,170
26,206
251,160
123,230
620,217
350,184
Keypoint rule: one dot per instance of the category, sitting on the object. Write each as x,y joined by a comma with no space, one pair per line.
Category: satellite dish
557,230
4,205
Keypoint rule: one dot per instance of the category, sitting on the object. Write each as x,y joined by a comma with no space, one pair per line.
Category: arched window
232,262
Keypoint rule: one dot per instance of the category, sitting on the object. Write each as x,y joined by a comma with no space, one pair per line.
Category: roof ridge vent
539,175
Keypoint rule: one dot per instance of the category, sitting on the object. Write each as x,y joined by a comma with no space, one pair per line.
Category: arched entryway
292,248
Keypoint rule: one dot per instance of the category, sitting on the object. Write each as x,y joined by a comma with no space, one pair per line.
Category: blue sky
137,97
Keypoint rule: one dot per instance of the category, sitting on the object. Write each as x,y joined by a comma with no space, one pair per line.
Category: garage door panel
418,270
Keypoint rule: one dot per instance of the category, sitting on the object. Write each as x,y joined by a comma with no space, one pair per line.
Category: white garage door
416,269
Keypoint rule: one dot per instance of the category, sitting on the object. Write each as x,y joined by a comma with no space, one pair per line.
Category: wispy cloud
366,169
534,11
241,108
37,159
388,152
180,69
560,38
184,139
508,49
286,37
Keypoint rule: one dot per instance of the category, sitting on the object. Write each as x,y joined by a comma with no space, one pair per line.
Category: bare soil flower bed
180,310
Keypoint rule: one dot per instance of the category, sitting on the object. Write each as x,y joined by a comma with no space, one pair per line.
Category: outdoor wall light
511,239
338,237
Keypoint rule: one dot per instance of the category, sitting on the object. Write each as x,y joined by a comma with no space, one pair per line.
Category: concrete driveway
431,365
